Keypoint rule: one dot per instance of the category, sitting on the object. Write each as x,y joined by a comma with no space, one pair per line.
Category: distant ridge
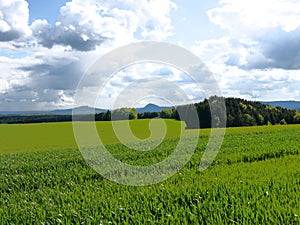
78,110
294,105
152,108
285,104
83,110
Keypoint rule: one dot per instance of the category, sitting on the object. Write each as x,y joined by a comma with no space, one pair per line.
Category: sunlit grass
45,136
255,179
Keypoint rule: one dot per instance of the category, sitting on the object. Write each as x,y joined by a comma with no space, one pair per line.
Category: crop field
57,136
255,178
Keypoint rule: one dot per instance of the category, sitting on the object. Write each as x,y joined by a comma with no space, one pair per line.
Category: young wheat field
255,178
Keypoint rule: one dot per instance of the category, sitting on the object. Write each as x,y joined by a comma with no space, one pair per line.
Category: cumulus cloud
14,16
280,49
14,87
43,80
256,84
264,34
255,15
83,25
244,68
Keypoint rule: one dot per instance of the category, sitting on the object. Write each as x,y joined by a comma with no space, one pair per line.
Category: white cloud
263,34
14,16
84,25
252,67
256,84
255,15
259,58
3,86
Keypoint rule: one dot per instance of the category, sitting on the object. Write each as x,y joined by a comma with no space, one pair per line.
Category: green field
255,179
57,136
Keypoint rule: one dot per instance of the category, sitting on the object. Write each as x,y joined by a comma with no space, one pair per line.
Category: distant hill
82,110
79,110
152,108
23,112
285,104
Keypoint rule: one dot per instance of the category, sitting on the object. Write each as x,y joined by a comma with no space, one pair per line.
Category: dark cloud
81,39
282,49
57,76
273,48
271,33
10,35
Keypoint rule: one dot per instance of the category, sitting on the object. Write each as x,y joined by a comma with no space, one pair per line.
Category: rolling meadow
255,178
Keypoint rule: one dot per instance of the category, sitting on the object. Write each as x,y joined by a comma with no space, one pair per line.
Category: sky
251,47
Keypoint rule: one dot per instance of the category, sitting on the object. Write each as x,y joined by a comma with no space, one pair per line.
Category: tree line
239,112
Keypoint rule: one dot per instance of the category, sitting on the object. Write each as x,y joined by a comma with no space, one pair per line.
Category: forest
239,112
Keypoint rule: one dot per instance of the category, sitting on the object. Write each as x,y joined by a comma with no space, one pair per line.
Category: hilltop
285,104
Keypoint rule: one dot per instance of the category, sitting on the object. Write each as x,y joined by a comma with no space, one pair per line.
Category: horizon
137,107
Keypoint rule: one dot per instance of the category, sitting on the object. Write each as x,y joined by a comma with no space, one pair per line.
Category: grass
56,136
16,138
255,179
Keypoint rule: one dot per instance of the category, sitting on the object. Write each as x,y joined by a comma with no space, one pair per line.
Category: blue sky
251,47
45,9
